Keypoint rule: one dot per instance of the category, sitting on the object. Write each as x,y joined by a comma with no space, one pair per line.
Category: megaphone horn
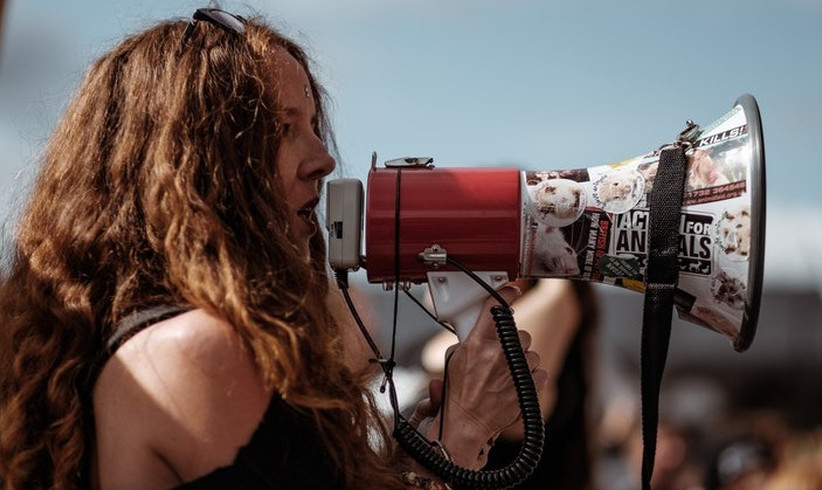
588,224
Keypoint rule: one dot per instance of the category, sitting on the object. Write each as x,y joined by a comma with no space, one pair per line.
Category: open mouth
306,213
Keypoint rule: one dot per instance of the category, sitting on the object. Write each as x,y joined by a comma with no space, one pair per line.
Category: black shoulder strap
661,278
134,323
126,328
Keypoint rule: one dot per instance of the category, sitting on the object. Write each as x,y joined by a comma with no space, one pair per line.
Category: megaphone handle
458,299
465,320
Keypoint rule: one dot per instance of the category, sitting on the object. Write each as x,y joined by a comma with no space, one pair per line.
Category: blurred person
801,465
743,463
751,446
561,316
674,466
2,10
805,474
166,315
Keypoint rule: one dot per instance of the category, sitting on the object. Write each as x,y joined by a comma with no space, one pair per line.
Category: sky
533,84
537,84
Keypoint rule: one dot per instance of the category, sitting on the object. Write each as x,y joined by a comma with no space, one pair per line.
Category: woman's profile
165,306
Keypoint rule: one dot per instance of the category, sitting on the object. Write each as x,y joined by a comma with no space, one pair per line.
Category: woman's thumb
485,323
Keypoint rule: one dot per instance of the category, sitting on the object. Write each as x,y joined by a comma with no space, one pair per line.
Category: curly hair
159,187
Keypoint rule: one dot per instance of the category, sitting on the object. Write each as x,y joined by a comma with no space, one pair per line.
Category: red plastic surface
473,213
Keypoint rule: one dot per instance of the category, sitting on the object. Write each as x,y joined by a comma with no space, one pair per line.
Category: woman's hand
480,400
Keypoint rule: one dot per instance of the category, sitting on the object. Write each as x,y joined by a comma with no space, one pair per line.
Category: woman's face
302,159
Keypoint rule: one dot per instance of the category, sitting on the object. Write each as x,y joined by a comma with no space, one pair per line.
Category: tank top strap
126,328
138,321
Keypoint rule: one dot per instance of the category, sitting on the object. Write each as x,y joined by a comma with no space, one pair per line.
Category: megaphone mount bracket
434,256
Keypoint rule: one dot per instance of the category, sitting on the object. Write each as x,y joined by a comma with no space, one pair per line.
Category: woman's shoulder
176,353
194,336
190,390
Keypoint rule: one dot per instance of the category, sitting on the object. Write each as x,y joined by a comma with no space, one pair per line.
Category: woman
165,310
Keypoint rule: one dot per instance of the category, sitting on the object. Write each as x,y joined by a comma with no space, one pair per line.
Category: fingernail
513,289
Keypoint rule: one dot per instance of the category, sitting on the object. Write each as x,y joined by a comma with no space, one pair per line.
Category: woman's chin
303,229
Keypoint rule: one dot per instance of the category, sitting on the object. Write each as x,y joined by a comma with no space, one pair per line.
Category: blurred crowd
755,449
706,440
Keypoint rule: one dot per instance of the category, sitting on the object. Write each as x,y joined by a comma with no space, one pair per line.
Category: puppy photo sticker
618,191
557,202
704,170
728,290
733,232
552,255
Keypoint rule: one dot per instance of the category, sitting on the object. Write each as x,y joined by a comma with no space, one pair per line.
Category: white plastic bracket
458,299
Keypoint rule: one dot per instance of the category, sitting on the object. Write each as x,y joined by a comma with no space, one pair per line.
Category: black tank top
285,451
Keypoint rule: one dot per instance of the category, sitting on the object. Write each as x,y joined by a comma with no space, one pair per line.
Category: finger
540,377
422,411
484,328
533,360
435,394
509,293
524,339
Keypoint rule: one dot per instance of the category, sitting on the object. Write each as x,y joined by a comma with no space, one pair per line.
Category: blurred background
539,85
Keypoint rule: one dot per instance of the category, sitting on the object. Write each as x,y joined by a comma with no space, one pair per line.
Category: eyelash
287,127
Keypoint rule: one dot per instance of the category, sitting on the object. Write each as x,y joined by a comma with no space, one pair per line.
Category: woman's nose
319,164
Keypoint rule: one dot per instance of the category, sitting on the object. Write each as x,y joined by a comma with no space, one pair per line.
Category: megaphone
588,224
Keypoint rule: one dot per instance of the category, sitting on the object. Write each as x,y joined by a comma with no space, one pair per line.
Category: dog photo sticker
728,290
618,191
733,232
557,202
705,170
551,253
